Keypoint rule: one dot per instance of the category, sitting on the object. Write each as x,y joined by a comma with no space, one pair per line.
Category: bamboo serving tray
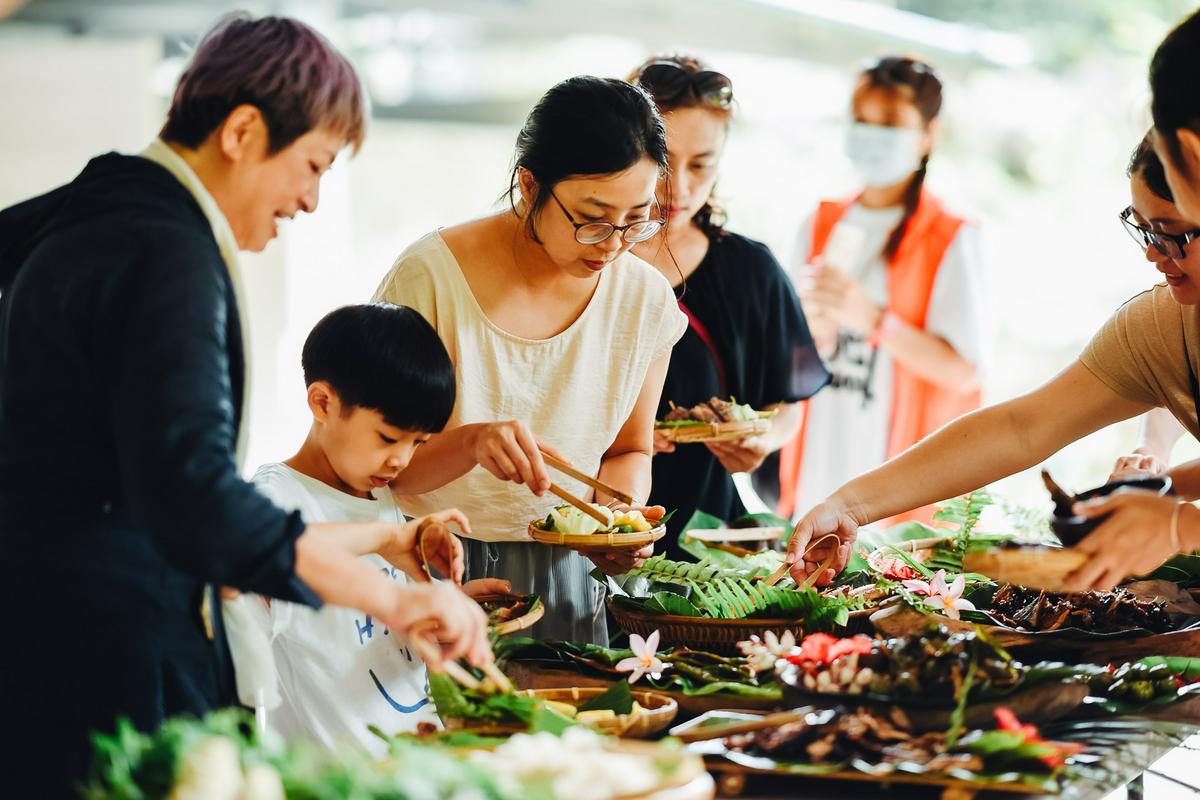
537,676
598,542
657,713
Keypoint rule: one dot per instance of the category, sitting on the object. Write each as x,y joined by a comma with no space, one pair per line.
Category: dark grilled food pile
838,735
1100,612
714,410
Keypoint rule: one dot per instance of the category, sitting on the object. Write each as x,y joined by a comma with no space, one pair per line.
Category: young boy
379,382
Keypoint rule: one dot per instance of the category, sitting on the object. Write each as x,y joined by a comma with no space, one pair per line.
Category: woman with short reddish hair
122,379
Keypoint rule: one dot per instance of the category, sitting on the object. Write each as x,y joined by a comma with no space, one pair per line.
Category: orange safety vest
918,407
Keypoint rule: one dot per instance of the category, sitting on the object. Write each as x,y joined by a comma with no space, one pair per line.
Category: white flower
644,659
761,654
945,599
210,770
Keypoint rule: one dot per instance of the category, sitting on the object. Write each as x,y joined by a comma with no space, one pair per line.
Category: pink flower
944,599
644,659
918,586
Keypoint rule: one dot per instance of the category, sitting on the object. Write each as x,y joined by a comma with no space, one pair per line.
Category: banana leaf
1181,665
692,673
1183,569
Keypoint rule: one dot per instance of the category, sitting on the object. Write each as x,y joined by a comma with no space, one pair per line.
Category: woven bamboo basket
1033,567
598,542
714,635
526,620
714,431
657,713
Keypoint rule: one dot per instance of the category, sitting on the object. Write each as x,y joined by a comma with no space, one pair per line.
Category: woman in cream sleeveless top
560,338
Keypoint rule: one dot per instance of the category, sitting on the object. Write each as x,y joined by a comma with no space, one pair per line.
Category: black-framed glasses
668,83
1171,245
597,232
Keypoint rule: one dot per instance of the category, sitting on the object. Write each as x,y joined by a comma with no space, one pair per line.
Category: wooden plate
1033,567
713,431
598,542
536,676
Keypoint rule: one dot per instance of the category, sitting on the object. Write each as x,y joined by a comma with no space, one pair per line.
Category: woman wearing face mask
747,336
559,337
1146,356
890,281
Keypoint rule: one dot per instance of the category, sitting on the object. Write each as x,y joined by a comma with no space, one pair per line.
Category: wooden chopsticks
431,654
779,574
583,506
585,479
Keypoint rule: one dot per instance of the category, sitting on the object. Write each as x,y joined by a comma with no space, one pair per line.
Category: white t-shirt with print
846,433
339,669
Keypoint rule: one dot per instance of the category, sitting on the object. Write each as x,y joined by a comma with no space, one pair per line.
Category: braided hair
918,83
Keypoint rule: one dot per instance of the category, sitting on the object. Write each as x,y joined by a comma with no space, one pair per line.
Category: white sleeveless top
575,389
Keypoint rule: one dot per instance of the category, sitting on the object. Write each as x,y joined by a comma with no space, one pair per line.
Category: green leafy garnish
618,698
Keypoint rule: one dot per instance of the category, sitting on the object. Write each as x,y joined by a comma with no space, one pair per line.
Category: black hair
900,73
386,358
1145,164
1173,73
585,126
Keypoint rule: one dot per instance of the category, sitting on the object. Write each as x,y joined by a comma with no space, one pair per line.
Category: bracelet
1173,530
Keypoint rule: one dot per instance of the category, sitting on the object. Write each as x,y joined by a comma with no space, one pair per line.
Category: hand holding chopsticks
422,641
587,480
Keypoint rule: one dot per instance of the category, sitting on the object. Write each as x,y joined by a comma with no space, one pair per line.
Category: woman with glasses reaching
1143,358
891,283
747,337
1162,240
560,338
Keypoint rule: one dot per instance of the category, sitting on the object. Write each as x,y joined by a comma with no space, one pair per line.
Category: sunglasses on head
669,83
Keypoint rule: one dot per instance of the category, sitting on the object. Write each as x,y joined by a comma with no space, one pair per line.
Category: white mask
882,155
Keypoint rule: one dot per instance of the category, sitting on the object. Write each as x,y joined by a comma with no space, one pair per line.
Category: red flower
1006,720
891,566
825,649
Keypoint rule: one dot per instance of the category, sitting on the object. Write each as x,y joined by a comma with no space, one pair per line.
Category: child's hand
427,539
482,587
455,620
